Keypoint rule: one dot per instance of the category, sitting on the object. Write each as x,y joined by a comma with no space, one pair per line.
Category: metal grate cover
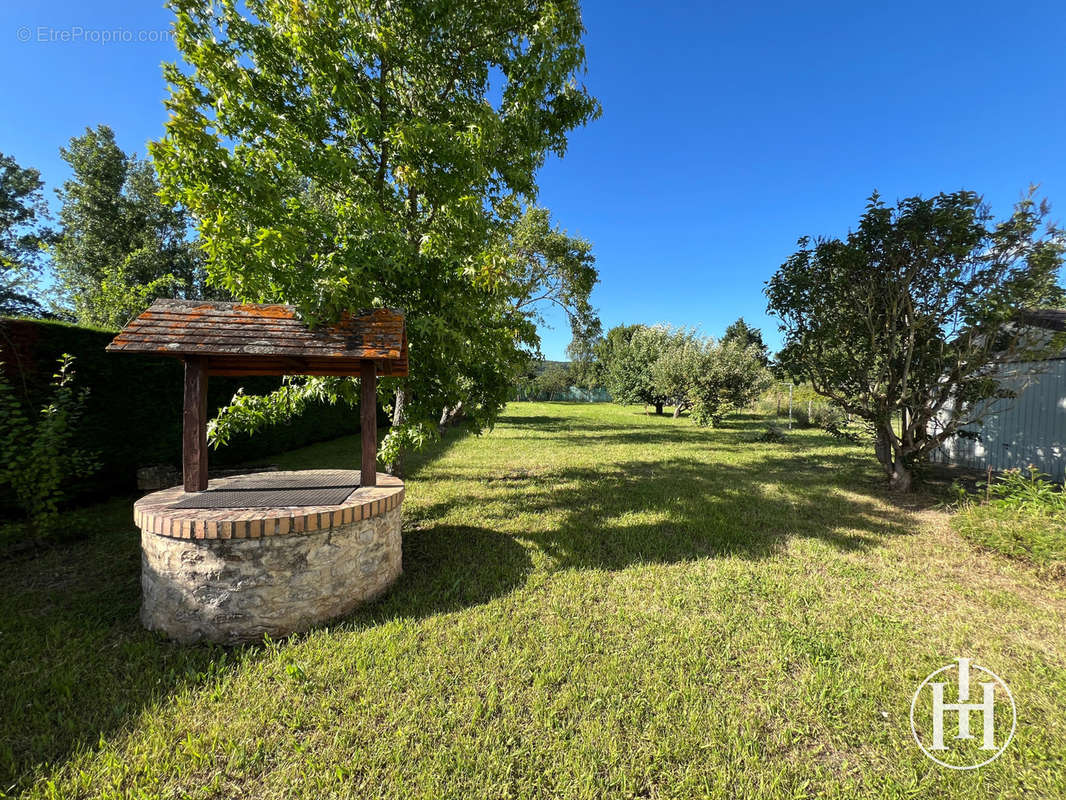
269,490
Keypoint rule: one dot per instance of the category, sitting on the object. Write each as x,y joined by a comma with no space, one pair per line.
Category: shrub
1024,518
36,456
1029,490
133,417
773,433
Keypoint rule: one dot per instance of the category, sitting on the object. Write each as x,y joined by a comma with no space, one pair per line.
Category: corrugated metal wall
1030,429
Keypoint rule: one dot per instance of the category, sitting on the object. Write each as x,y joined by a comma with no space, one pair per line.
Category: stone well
232,575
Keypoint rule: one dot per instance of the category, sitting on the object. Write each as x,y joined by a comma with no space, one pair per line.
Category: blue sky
729,129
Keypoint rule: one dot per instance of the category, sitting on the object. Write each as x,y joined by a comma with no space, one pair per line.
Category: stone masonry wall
236,590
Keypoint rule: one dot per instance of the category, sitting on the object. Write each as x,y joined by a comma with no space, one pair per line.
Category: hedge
133,416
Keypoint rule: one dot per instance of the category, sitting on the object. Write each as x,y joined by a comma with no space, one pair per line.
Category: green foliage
247,414
547,267
678,360
916,307
660,364
629,353
1025,490
120,246
37,456
553,381
731,377
747,336
1019,513
343,157
1024,518
586,368
22,236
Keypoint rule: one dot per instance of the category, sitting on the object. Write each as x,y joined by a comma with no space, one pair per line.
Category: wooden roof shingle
264,339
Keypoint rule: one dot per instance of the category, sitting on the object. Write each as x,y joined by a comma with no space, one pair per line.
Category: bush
1029,490
1024,518
37,458
773,433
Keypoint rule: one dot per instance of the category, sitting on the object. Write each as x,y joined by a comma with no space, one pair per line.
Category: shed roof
263,339
1051,318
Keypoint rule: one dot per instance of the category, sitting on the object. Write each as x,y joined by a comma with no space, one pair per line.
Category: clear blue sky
729,129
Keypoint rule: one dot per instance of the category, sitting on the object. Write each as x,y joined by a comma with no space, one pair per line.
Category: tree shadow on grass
75,661
614,515
449,568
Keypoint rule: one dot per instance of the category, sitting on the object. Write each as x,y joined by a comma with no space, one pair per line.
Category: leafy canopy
22,236
661,365
119,246
344,155
746,335
913,313
629,354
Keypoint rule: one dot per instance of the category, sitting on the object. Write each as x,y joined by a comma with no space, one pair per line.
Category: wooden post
194,423
368,425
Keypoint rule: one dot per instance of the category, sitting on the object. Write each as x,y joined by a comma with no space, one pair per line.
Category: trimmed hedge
133,416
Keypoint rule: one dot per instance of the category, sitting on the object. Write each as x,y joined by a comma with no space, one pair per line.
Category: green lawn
595,603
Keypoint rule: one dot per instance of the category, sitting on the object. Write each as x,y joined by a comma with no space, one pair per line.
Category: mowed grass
595,603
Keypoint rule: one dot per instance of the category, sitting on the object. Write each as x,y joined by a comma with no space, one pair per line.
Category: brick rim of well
153,514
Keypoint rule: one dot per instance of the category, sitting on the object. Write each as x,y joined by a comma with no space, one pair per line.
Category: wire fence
572,394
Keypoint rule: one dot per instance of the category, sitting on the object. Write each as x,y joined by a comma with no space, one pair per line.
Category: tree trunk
451,415
896,470
658,408
398,417
677,411
900,479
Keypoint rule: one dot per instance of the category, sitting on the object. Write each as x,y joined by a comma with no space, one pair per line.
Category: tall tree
342,154
747,335
912,315
585,366
22,235
119,245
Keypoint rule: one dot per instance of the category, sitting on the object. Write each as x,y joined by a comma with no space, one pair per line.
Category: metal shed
1030,429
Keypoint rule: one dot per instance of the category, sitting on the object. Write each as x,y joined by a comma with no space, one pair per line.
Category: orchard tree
677,367
554,380
731,377
710,378
633,352
22,237
910,318
119,245
344,154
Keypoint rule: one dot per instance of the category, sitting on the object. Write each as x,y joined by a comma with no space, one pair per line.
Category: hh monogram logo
962,745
